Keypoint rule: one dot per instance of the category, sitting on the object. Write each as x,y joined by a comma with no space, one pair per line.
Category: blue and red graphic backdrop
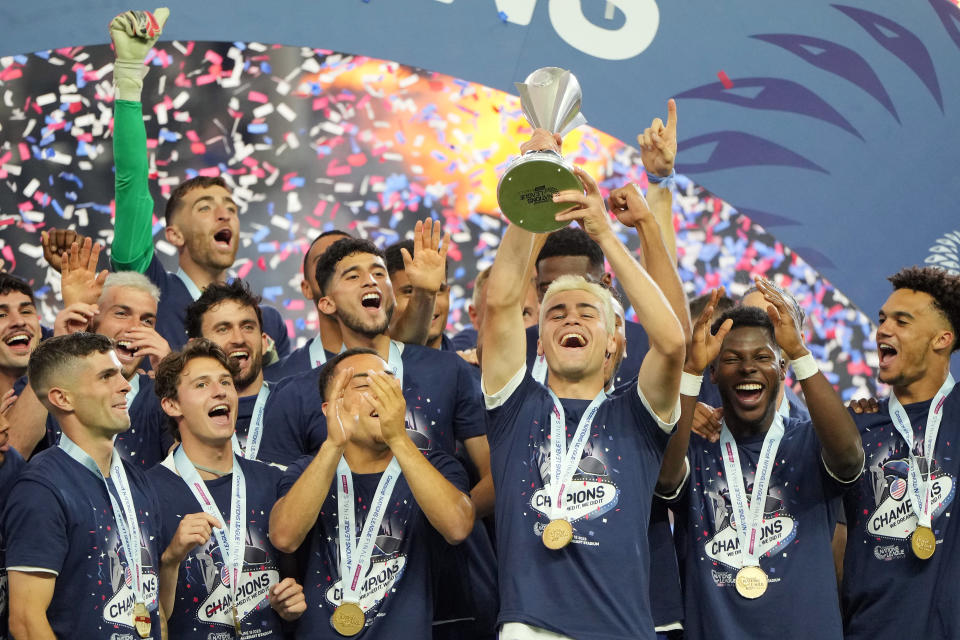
827,127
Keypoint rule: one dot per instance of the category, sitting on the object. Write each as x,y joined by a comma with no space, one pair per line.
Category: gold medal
236,622
751,582
923,543
348,619
141,619
557,534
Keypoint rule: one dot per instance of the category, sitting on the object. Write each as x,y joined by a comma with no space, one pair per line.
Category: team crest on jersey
779,528
893,516
119,608
384,573
256,578
590,493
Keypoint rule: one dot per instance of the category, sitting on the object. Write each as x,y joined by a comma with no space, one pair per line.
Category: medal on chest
141,620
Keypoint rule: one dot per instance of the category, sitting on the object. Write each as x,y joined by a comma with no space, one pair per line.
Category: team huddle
171,468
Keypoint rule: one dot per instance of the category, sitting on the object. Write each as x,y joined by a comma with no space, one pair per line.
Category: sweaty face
19,331
361,295
206,400
748,372
98,392
122,309
235,328
549,269
908,325
309,286
368,427
573,334
207,219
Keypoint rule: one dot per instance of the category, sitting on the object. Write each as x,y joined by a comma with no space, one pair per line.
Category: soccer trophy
550,99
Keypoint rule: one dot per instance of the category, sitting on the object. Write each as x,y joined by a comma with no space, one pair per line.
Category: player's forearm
658,246
483,496
660,201
648,302
838,434
448,509
295,514
169,575
30,626
132,247
413,325
673,466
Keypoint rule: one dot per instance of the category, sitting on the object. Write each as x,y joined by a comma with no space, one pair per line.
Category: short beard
256,366
355,323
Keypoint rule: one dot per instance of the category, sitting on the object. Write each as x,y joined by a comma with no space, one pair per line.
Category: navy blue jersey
297,361
597,586
466,339
666,598
801,598
887,591
443,405
148,439
12,466
203,605
59,520
395,592
172,311
637,346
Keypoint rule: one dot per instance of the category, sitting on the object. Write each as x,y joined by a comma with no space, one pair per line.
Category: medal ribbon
134,390
232,548
750,519
192,288
255,433
539,371
355,554
318,355
395,360
918,487
564,460
124,511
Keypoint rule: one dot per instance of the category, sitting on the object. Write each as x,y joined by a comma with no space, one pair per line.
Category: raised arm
448,509
842,448
659,378
658,152
425,269
295,513
504,348
133,34
703,349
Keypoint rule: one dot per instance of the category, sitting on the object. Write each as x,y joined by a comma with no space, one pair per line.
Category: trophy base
526,188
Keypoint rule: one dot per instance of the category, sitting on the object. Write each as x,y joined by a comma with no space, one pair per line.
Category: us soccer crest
894,517
779,529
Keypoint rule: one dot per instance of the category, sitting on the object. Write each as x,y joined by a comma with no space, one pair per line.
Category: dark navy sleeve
276,328
466,339
503,419
294,420
470,419
450,469
35,527
294,471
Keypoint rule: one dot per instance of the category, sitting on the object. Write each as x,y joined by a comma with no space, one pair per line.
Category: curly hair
941,285
327,264
238,291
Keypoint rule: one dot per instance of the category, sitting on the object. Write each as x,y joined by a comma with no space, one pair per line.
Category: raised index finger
672,115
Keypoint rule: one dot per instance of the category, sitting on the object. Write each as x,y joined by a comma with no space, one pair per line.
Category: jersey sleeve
470,419
35,529
276,328
132,247
504,406
450,469
292,473
294,421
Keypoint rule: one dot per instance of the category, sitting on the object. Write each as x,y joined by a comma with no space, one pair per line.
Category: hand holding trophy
550,98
